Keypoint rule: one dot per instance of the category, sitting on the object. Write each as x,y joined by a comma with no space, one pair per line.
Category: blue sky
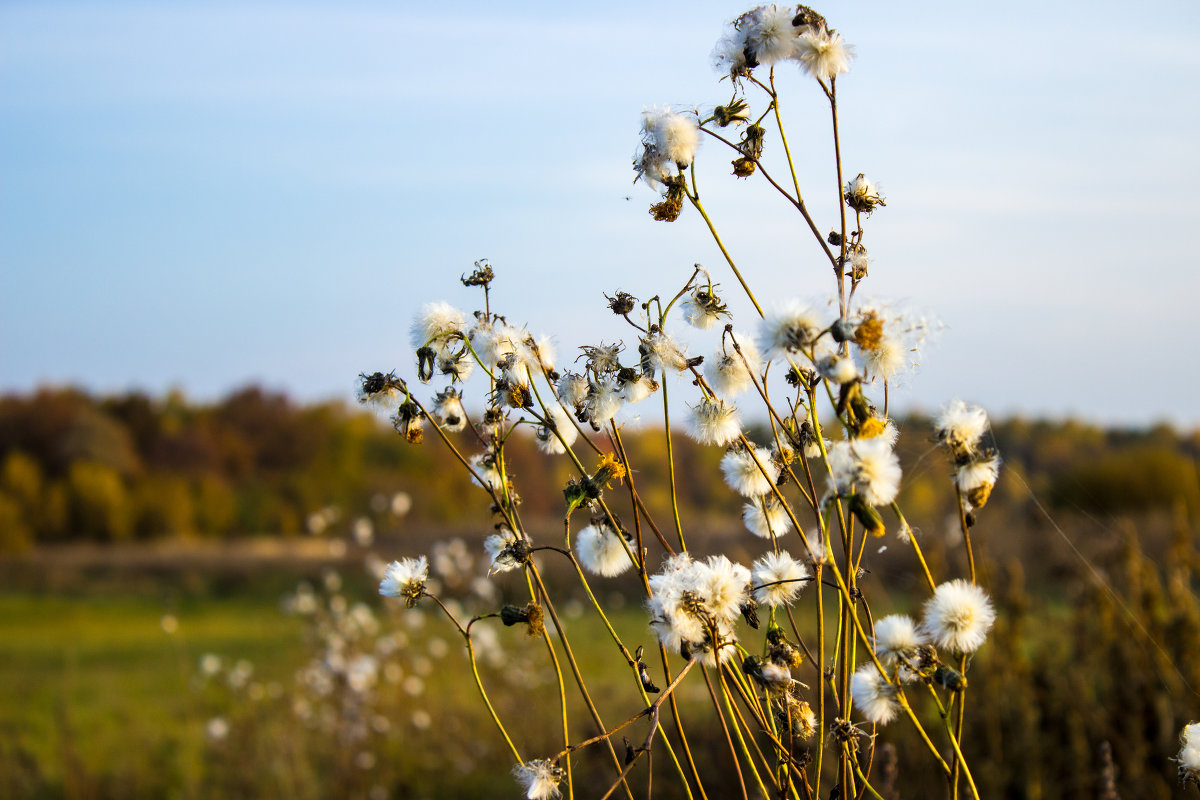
204,194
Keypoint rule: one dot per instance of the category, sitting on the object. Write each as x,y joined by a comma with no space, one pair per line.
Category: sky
205,195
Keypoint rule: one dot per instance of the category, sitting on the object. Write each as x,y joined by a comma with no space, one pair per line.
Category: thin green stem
671,465
728,258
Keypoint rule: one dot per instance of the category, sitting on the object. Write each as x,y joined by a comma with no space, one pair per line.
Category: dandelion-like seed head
539,779
659,353
603,400
837,369
873,695
714,421
770,35
435,323
896,643
506,550
484,465
600,550
788,329
961,428
958,617
635,386
448,410
405,578
976,479
823,54
867,467
572,390
701,308
669,139
1189,754
728,374
779,579
378,389
863,195
765,516
744,471
558,433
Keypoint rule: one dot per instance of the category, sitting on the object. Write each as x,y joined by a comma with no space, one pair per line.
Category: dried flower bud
736,110
482,276
622,304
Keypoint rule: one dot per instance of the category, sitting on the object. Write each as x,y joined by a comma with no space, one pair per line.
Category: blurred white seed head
600,550
873,695
765,516
714,421
958,617
744,471
773,568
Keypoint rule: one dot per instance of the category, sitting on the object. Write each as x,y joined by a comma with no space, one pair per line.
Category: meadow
105,690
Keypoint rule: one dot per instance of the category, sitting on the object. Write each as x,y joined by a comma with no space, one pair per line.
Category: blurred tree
99,503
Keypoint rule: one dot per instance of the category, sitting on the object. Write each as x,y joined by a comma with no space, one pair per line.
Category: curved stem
728,258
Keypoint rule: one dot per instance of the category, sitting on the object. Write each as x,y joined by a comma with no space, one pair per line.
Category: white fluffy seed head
958,617
744,476
961,427
874,696
773,568
868,467
896,639
600,550
405,577
552,441
713,421
765,516
1189,752
727,372
823,53
539,779
788,329
435,320
771,36
977,475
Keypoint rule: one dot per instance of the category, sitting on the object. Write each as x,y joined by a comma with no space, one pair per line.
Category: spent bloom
867,467
863,195
659,353
896,641
744,471
713,421
701,308
539,779
405,578
958,617
728,374
436,321
448,411
874,696
976,479
600,550
694,604
669,139
788,329
823,54
961,428
779,578
558,433
1189,753
766,516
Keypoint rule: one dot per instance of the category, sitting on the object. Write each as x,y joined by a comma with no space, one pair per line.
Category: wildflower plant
797,712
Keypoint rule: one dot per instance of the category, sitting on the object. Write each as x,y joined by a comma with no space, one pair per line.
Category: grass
92,685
